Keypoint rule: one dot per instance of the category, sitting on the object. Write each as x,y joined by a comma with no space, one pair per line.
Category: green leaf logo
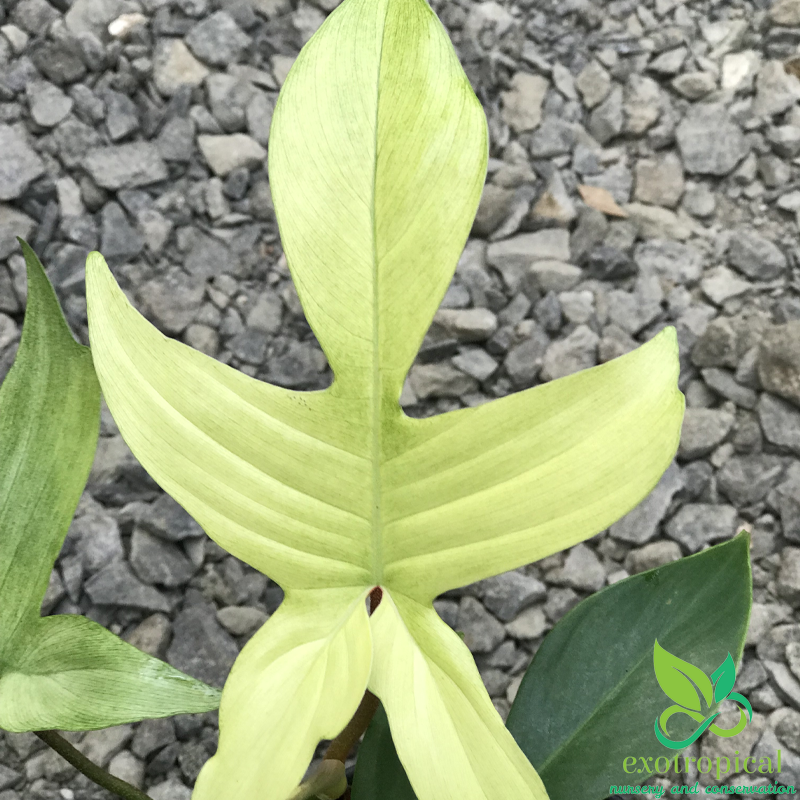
681,681
688,686
723,677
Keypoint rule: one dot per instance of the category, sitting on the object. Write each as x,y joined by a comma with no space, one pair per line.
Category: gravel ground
644,172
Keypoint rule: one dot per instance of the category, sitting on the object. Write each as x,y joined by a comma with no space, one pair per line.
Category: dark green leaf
590,698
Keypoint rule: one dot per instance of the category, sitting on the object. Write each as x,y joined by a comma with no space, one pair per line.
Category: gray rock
559,602
175,66
507,594
151,635
632,312
20,164
724,383
710,142
119,240
659,180
779,361
669,62
228,97
785,12
694,85
241,620
554,137
439,380
763,616
755,256
258,116
524,360
512,257
200,647
98,540
582,570
102,745
785,141
787,496
172,300
720,284
93,16
594,84
576,352
74,139
8,777
641,524
529,624
776,90
699,524
642,104
48,104
208,257
62,60
217,40
788,583
716,346
467,324
122,115
175,141
522,103
227,153
607,120
116,585
168,520
745,480
125,166
128,768
482,632
13,223
780,422
158,562
703,430
297,365
475,362
171,789
786,685
651,556
152,735
249,346
554,276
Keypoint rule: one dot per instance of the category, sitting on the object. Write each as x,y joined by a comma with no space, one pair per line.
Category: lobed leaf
63,672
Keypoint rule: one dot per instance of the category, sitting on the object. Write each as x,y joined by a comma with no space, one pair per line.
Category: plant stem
341,746
89,768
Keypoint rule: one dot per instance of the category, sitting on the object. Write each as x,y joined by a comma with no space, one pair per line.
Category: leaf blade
62,672
605,646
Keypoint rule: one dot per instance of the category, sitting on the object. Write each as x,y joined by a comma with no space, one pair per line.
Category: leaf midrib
377,544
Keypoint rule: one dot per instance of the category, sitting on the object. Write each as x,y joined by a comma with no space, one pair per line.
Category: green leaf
602,651
379,774
377,159
724,676
680,680
62,672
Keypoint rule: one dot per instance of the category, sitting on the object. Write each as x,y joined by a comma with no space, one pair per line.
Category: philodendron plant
363,515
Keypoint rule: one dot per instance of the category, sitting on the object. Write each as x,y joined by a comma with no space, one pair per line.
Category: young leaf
377,157
62,672
602,650
680,680
723,677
